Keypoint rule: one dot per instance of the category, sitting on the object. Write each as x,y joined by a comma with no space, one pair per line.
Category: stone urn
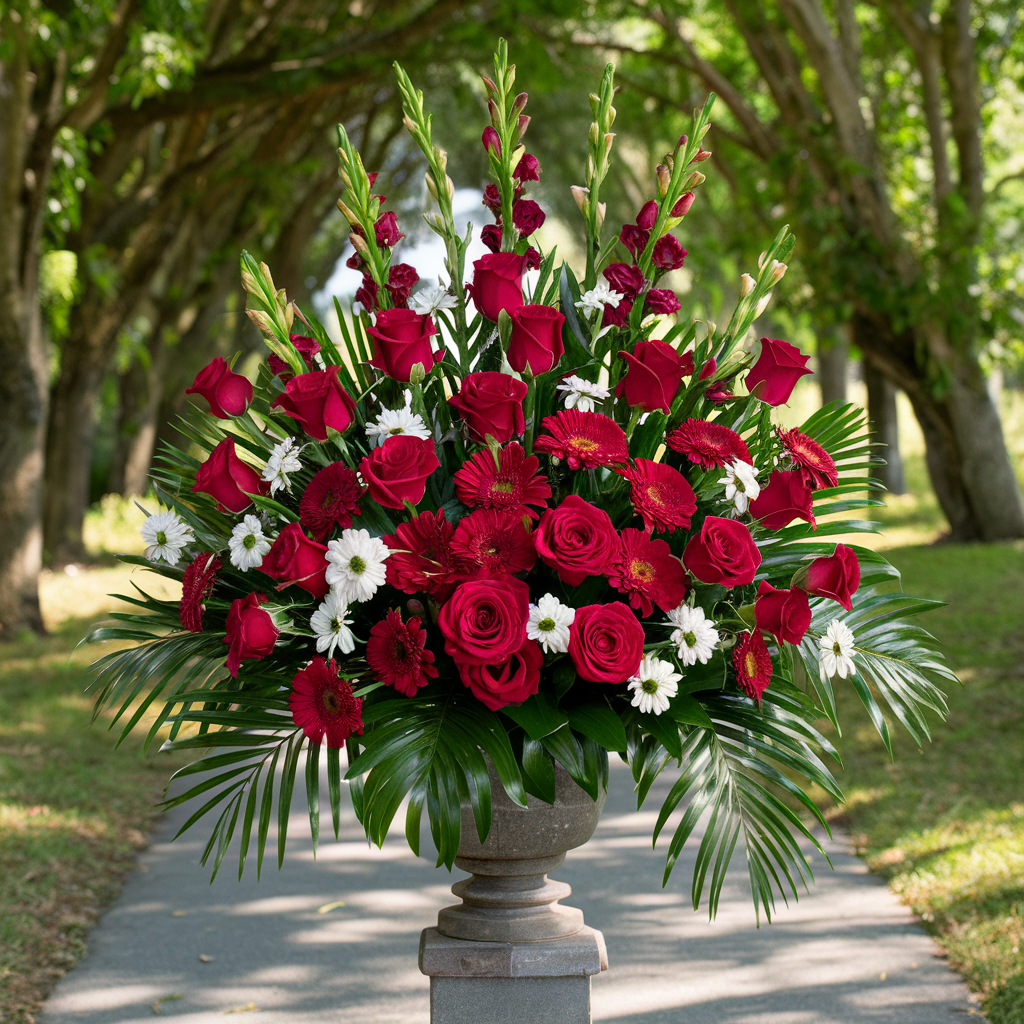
510,951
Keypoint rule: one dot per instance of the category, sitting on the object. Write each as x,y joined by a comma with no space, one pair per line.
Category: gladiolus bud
519,103
591,169
581,195
601,208
761,259
595,103
595,133
449,186
348,214
611,115
491,87
763,304
524,123
746,285
694,180
608,140
664,176
492,109
491,141
681,143
409,123
442,158
260,319
359,244
701,155
434,221
431,187
778,271
289,313
683,204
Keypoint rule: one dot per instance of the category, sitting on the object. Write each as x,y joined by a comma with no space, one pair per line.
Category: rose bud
497,284
655,372
626,280
317,401
491,403
668,254
228,480
402,338
386,230
228,393
785,498
491,141
528,168
397,471
306,347
786,614
663,301
294,558
606,643
251,632
527,216
774,375
536,340
722,552
836,576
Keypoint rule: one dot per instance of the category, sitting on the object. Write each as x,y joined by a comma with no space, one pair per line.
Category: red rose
228,393
785,498
397,471
663,300
774,375
655,372
626,280
318,401
229,480
606,643
484,621
836,576
251,632
403,339
497,284
294,558
576,539
722,552
491,403
508,683
527,216
785,614
306,347
668,254
536,339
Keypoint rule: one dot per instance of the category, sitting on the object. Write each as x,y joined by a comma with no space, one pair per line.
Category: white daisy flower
284,459
595,300
549,624
331,624
836,651
430,300
248,544
695,634
397,421
654,683
356,567
166,535
581,394
741,486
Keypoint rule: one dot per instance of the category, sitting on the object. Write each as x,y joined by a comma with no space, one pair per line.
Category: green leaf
536,716
687,711
598,721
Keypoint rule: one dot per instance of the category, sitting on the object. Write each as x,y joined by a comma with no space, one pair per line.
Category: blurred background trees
143,144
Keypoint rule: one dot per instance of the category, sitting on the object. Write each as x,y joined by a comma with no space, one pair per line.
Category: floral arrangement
537,520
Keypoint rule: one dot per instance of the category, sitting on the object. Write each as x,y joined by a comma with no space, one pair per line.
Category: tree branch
964,102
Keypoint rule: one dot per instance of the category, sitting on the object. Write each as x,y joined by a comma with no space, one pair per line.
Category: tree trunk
833,364
885,431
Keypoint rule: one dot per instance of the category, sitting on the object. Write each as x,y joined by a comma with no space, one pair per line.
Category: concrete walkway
175,946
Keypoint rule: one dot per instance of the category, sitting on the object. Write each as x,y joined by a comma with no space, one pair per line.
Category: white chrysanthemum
248,544
430,300
356,566
581,394
331,624
284,459
595,300
836,651
654,683
741,486
549,624
397,421
166,535
695,634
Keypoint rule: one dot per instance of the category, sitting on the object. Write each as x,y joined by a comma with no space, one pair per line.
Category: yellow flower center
641,570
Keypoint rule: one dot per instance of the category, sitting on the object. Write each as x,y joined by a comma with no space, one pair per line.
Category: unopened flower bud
260,319
519,103
681,143
591,168
410,124
609,138
491,87
289,314
581,195
524,123
601,209
683,204
778,271
701,155
595,103
414,607
434,221
442,158
492,109
611,115
595,133
431,187
761,259
747,284
359,244
763,304
491,141
416,374
348,214
249,283
664,176
449,187
695,179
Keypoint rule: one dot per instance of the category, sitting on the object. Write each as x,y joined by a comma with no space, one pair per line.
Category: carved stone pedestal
510,953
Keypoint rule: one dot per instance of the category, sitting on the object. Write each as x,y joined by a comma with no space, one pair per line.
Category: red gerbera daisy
816,466
496,541
648,571
661,495
583,439
330,500
422,558
708,444
753,665
196,587
323,704
511,485
397,656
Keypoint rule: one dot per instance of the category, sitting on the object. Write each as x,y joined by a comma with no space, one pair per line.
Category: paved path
848,953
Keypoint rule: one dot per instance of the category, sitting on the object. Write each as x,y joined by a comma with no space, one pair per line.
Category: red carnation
397,655
509,682
583,439
661,495
251,632
708,444
511,486
330,500
196,587
490,235
785,498
753,665
816,466
778,368
647,570
495,541
634,238
323,705
422,559
786,614
836,576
